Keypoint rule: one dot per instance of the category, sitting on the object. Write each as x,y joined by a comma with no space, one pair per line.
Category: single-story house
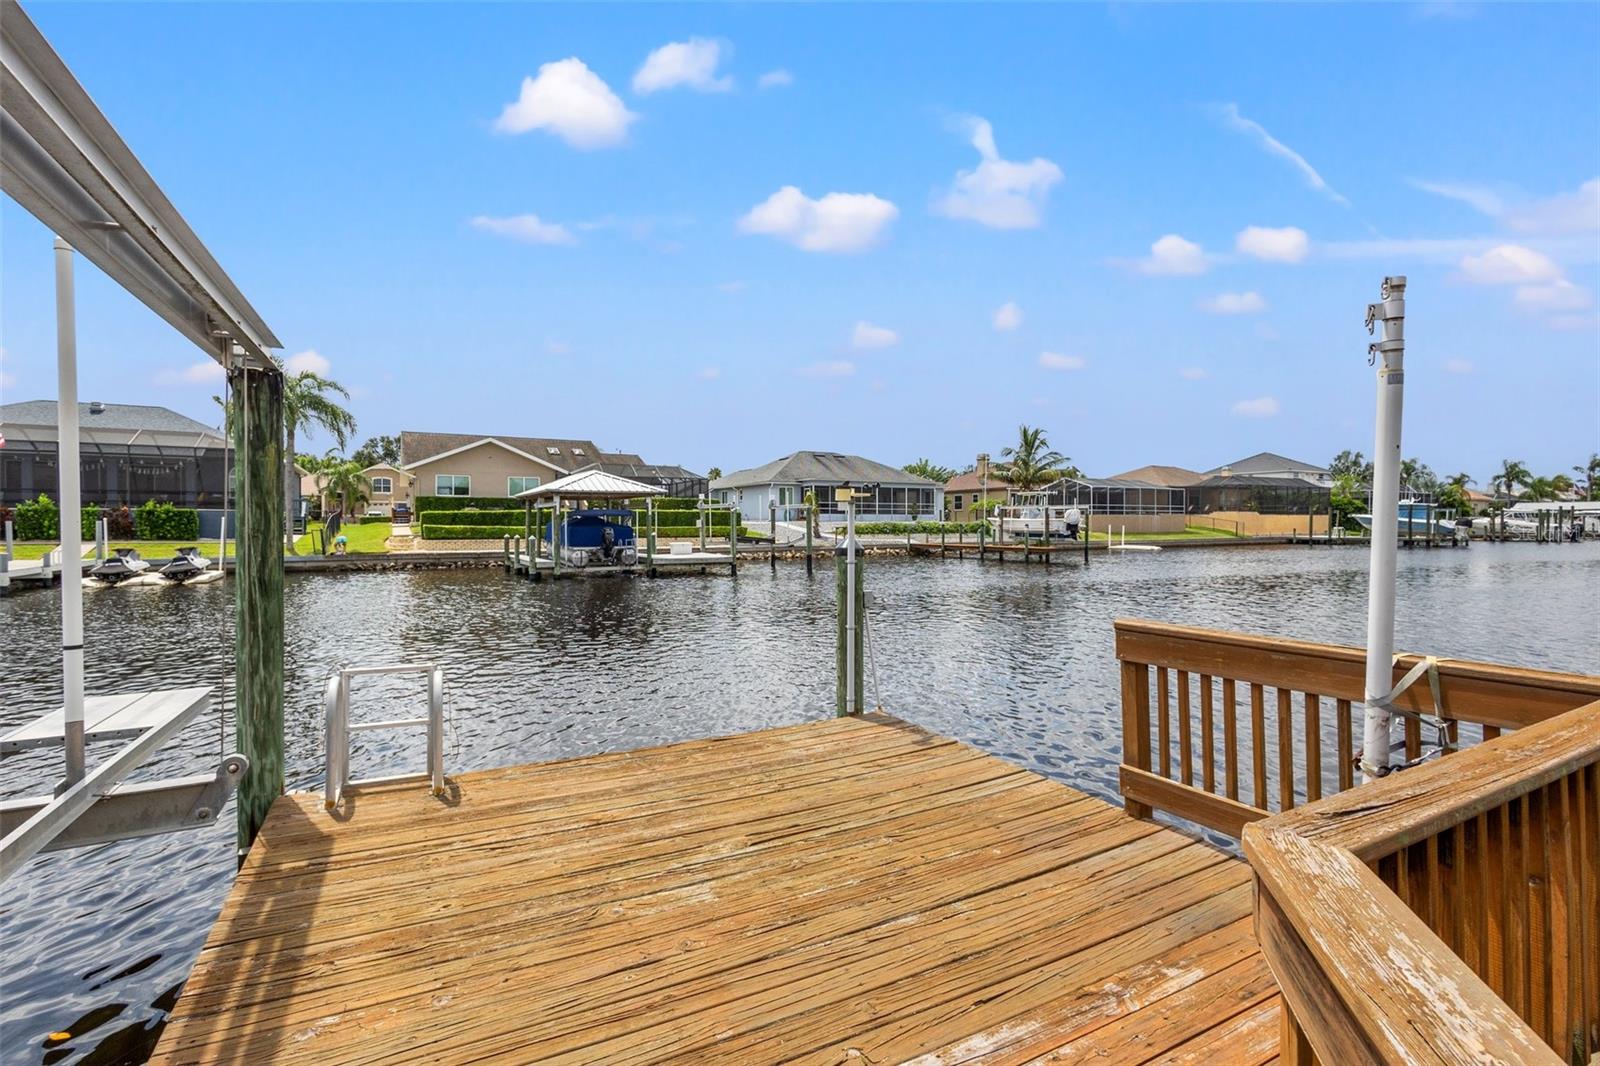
1272,465
965,493
1174,477
894,495
128,453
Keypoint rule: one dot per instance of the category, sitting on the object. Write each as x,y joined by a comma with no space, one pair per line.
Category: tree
308,404
1030,465
1415,476
1539,489
1455,497
343,478
374,451
1345,497
1513,472
1562,484
714,473
1460,481
1351,464
1589,476
930,470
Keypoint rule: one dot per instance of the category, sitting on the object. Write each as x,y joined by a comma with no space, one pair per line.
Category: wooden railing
1448,913
1223,729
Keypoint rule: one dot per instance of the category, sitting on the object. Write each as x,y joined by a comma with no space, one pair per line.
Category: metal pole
650,531
847,702
557,539
1390,354
71,529
811,517
772,521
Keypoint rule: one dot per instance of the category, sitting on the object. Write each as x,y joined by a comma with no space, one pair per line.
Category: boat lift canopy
591,485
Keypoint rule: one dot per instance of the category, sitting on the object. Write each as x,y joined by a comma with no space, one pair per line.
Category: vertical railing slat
1164,728
1136,727
1347,751
1313,747
1258,744
1185,730
1285,750
1230,737
1208,760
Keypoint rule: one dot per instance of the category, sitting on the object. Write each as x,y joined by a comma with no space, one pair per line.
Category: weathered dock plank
847,890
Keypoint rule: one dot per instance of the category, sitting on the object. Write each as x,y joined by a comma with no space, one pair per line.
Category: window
551,449
452,485
577,451
382,486
515,486
955,502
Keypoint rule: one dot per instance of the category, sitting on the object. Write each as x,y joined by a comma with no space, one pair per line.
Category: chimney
983,464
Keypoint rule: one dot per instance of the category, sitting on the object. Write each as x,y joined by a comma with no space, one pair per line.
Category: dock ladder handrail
336,704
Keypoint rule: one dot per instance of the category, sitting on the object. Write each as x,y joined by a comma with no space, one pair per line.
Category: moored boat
119,567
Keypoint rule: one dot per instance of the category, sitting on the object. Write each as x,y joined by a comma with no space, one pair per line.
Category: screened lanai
1105,496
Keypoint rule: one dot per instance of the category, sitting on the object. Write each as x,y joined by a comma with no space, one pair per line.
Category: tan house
462,464
387,485
1172,477
964,494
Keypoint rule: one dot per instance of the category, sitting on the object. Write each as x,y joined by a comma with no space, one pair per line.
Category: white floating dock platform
540,565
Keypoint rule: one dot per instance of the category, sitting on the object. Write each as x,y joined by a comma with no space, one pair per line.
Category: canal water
1014,659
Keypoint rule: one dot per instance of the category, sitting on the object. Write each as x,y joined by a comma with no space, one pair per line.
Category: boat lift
65,164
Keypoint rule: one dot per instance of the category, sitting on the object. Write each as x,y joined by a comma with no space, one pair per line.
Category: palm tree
1513,472
1589,473
929,469
1030,465
343,478
1539,488
1461,480
1562,484
308,404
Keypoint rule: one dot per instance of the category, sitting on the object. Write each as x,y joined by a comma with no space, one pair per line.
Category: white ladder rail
336,706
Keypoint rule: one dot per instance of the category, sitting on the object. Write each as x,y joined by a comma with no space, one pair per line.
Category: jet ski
121,566
187,563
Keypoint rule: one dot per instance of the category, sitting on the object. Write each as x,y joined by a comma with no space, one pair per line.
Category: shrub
460,503
505,517
372,519
902,528
38,519
442,531
119,522
157,520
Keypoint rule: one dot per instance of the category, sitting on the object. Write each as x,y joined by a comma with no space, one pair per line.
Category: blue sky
715,234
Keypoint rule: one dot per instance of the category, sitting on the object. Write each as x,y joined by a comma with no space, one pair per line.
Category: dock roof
591,484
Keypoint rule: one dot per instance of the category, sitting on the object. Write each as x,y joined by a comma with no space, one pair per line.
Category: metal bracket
127,811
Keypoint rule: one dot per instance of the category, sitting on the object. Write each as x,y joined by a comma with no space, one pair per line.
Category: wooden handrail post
1136,727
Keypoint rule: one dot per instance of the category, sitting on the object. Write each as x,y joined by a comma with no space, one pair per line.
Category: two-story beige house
464,464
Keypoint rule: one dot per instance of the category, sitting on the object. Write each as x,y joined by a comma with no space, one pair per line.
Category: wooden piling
258,592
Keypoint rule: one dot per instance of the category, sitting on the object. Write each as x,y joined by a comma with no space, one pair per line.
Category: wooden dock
846,891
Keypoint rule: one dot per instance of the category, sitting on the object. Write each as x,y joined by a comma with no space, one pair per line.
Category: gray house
1272,465
894,495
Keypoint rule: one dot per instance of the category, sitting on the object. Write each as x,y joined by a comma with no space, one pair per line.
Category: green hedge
892,528
162,521
461,503
448,531
40,519
497,517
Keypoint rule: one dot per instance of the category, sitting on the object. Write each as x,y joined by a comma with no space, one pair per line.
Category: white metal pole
1390,356
71,515
851,706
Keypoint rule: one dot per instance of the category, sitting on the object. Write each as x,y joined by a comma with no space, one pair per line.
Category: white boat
1417,519
1034,519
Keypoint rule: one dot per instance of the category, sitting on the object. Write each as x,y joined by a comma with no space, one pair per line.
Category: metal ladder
336,704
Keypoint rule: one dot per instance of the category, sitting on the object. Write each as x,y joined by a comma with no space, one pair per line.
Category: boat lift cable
872,661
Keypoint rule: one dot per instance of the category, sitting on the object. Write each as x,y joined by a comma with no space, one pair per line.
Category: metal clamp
336,706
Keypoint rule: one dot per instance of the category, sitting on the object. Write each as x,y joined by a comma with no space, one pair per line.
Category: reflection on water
1015,659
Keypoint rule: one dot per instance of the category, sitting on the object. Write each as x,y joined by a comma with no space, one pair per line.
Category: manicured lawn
149,549
361,539
1189,533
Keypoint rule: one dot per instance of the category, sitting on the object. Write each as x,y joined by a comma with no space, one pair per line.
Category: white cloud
838,222
998,193
833,368
1260,407
1575,212
1194,373
691,63
308,360
1008,317
732,286
1509,264
1057,361
1558,295
1174,255
709,373
1234,303
205,372
1459,366
866,335
1273,146
774,79
1285,245
529,229
1480,199
570,101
